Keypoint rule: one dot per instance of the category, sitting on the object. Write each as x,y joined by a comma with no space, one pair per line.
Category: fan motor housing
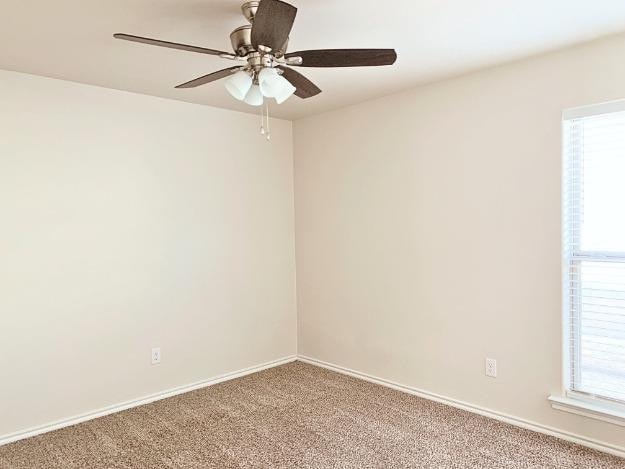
241,39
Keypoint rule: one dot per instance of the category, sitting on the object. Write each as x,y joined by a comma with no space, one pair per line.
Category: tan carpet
292,416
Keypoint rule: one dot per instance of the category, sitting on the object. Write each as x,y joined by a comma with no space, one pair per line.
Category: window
594,252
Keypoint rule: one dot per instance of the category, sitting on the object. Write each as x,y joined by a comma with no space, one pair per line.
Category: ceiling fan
263,44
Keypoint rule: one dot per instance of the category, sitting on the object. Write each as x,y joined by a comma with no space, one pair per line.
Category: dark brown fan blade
272,24
345,57
171,45
305,87
210,77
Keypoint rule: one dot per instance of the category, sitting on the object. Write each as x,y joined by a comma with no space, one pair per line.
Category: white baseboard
510,419
519,422
20,435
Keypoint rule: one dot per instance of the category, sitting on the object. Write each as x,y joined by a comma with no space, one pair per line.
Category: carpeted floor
294,416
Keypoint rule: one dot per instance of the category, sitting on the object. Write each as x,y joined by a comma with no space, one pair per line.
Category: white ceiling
72,40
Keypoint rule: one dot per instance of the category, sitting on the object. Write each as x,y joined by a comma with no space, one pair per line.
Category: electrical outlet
156,355
491,367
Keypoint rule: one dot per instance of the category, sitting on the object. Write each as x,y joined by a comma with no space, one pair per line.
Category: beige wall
428,232
128,222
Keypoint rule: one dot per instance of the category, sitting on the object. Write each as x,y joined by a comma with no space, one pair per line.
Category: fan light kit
266,69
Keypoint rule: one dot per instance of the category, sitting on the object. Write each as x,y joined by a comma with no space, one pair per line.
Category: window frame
572,400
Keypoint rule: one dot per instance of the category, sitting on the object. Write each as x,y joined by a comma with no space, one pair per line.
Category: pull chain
264,122
268,129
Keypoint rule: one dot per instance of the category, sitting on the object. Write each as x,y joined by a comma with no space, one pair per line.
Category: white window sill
592,410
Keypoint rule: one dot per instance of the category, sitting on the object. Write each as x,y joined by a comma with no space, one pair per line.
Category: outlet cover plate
156,355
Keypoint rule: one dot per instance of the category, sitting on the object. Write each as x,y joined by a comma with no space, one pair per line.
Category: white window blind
594,251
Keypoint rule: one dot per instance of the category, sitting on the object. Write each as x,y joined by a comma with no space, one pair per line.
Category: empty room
312,234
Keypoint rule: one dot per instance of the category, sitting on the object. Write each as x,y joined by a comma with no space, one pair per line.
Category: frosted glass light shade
239,84
274,85
269,82
285,90
254,97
